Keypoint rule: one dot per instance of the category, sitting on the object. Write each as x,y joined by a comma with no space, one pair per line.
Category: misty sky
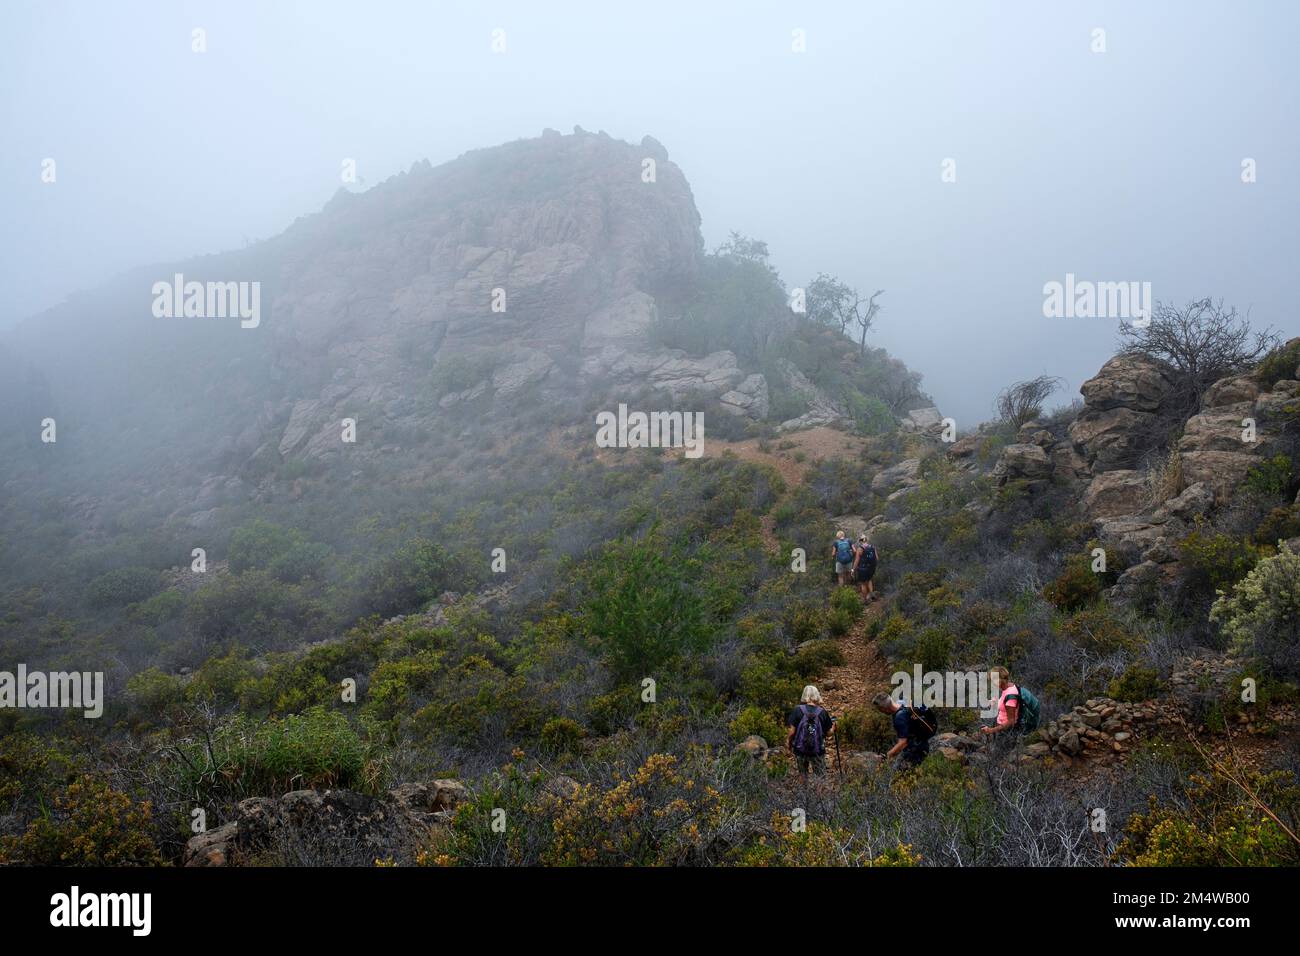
1122,165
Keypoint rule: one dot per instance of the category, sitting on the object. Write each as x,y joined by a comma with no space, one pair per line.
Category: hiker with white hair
809,725
842,552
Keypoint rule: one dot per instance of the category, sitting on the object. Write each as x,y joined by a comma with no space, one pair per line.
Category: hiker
809,726
1017,707
864,568
842,551
913,726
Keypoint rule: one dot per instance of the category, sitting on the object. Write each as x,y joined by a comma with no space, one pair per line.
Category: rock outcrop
330,822
1121,414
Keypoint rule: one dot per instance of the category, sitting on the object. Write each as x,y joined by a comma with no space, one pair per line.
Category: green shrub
1223,826
806,623
1098,629
221,679
866,727
124,586
1215,561
1271,477
1261,616
870,414
646,608
457,373
962,719
839,621
1280,524
1075,587
154,691
934,648
817,657
315,749
90,824
407,580
847,600
766,683
1138,683
756,721
255,610
159,609
258,543
562,734
1279,364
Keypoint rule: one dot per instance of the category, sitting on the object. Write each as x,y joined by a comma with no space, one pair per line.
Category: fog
1114,166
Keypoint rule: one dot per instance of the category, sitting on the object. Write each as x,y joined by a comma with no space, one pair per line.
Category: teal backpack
1027,707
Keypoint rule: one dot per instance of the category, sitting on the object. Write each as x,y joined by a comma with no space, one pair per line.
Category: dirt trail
791,454
863,674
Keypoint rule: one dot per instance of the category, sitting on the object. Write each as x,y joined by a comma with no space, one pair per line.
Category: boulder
965,447
211,848
1022,461
304,421
1222,471
749,398
1196,499
1114,438
448,794
905,474
753,745
713,374
1219,429
1132,538
821,409
1282,402
1025,433
1128,381
509,380
1231,391
926,421
1067,463
1115,493
852,525
337,823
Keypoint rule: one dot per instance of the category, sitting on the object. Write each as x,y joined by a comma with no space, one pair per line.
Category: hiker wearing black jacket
864,568
809,725
911,746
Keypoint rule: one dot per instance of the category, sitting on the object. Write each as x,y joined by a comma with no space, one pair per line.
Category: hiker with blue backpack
1017,707
842,552
809,725
914,725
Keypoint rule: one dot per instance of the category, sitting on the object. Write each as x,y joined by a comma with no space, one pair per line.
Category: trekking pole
839,767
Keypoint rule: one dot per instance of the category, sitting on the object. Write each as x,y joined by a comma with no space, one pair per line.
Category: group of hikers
856,563
810,725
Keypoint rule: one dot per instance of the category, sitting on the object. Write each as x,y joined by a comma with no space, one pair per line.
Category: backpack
1027,709
808,737
843,552
922,724
869,553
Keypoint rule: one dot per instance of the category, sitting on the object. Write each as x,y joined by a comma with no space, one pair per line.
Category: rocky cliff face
1124,429
523,277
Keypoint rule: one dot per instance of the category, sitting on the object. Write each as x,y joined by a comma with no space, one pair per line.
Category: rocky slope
524,277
